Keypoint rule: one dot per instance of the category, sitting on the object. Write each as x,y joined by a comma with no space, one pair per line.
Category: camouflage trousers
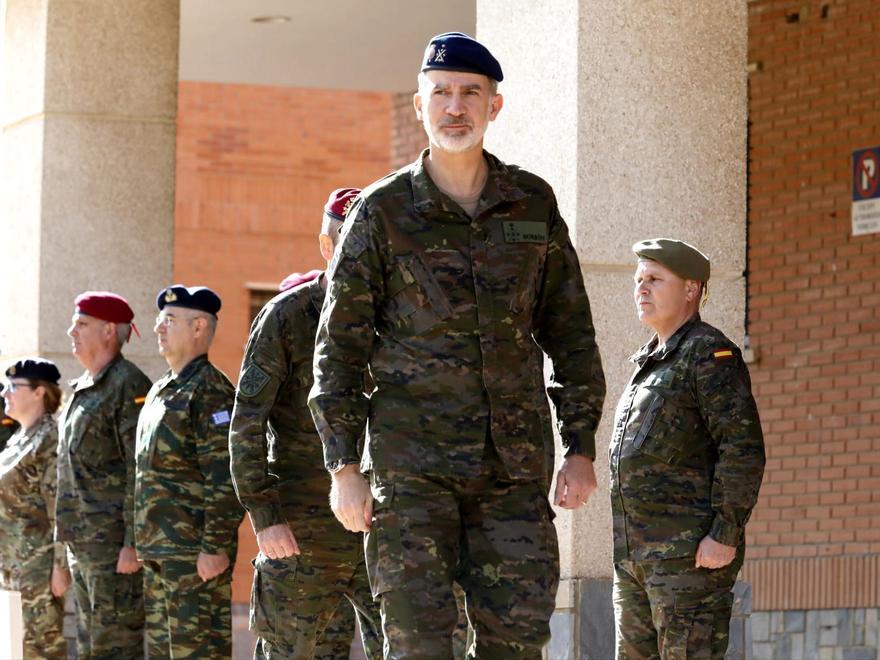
109,606
671,610
301,607
186,617
42,613
494,537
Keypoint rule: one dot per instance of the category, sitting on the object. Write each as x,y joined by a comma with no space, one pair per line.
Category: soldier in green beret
687,457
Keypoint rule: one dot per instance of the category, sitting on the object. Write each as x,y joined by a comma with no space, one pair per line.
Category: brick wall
814,298
254,167
407,135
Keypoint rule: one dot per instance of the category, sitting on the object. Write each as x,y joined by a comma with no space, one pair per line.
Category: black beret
683,259
35,369
200,298
455,51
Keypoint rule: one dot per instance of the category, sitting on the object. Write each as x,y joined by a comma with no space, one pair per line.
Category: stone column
87,158
635,111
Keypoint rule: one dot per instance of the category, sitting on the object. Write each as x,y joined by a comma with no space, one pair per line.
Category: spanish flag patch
723,354
138,400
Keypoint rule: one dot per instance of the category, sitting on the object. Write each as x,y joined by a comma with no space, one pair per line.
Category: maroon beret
295,279
105,306
340,201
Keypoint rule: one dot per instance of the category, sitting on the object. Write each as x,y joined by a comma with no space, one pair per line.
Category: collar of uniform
500,187
648,349
191,367
87,380
44,420
316,292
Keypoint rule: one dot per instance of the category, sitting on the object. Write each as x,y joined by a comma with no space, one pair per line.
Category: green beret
684,260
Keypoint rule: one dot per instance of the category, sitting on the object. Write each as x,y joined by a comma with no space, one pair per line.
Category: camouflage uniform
184,505
28,475
687,457
95,511
451,313
280,478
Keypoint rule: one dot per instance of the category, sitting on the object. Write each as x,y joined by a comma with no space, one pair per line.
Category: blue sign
866,191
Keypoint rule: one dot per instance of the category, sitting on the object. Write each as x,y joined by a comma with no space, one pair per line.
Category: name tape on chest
524,232
220,417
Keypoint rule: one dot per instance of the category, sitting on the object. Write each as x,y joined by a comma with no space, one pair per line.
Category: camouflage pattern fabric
669,609
687,458
94,512
279,476
28,475
109,605
185,504
495,537
687,426
294,600
451,314
335,643
186,617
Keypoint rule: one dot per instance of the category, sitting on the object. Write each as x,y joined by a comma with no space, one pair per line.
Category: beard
454,144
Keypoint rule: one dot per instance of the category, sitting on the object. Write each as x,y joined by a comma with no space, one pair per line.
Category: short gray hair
211,326
123,332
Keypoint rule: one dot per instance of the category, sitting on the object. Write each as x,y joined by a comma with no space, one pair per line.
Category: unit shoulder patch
253,380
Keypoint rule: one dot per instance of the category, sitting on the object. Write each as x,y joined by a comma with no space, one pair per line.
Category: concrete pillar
87,157
635,111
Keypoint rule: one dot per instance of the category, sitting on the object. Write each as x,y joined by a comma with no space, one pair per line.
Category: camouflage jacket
451,314
184,501
277,464
28,477
687,454
95,503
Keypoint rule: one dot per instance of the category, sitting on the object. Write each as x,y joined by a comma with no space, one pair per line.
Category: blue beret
455,51
35,369
200,298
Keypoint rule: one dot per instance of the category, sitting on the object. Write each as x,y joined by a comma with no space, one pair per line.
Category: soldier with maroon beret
310,571
96,473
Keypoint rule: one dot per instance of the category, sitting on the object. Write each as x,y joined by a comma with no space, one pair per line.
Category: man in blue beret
453,278
186,514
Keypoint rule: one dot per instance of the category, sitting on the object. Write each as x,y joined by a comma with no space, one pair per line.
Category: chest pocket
92,436
176,418
663,432
416,300
528,258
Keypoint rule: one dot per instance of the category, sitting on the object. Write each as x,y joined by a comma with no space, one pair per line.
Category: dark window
258,298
